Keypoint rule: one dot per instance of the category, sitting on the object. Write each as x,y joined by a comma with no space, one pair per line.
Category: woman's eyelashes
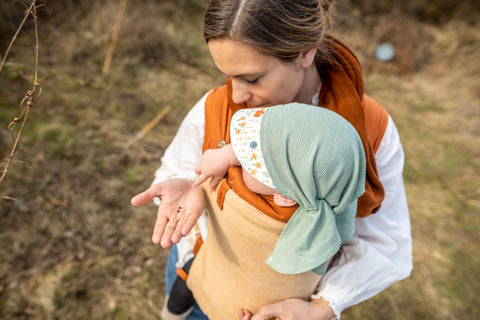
251,81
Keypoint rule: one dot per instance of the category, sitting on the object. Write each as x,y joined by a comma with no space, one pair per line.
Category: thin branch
16,33
115,34
148,127
8,198
29,99
35,80
14,148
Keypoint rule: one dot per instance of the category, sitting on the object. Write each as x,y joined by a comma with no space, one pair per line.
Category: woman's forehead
236,59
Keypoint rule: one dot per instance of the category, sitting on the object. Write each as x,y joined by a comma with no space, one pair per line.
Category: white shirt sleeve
180,159
380,253
185,151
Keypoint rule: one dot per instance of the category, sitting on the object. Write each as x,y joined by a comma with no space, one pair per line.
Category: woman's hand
291,309
181,204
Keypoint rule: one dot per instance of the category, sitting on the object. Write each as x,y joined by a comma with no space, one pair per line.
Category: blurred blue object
385,52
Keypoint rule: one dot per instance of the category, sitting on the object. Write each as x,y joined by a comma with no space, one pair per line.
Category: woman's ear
307,57
282,201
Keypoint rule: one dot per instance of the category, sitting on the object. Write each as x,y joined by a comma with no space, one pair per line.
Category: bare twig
15,144
29,100
16,34
148,127
115,34
8,198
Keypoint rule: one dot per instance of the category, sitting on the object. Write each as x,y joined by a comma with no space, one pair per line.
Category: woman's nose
240,92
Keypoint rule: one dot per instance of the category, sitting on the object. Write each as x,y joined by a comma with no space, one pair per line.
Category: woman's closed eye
252,81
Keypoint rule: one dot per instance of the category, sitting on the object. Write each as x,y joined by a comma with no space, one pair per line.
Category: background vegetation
72,247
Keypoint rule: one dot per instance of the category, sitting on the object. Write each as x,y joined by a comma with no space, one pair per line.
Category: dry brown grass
431,90
71,245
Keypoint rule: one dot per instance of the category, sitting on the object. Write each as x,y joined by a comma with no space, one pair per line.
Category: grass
71,245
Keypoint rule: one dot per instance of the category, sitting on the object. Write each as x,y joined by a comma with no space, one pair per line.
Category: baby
301,155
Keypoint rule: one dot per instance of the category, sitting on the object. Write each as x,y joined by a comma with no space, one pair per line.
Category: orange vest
219,109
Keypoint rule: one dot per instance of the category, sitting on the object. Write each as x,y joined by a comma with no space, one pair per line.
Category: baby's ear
282,201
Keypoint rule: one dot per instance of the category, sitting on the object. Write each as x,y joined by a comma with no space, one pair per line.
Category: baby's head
294,151
245,129
314,157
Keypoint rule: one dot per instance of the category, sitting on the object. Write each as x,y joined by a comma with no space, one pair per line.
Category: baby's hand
215,164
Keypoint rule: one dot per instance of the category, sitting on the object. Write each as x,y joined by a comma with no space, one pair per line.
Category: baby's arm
215,164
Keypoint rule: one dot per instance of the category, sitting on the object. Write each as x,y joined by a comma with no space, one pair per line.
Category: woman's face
258,79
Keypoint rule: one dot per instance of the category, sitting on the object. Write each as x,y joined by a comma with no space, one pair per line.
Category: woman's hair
281,28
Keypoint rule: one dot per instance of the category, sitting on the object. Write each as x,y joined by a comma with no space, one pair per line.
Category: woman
274,260
277,52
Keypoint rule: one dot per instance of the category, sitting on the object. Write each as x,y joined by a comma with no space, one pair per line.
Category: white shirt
380,253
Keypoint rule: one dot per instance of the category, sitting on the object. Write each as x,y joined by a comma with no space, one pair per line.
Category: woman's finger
273,311
167,234
159,227
146,196
244,314
181,218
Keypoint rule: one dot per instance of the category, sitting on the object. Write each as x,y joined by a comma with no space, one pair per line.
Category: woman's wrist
323,309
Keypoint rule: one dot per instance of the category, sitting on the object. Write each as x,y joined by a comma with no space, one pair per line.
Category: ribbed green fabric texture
316,158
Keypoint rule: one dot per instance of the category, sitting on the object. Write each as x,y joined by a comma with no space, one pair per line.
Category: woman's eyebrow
242,75
247,75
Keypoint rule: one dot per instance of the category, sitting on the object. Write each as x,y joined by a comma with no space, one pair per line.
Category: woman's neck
311,83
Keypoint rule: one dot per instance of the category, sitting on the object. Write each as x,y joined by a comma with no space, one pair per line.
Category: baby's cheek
256,186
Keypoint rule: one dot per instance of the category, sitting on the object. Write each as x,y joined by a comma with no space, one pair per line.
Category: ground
72,246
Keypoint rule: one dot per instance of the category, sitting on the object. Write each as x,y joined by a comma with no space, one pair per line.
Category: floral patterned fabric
245,135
